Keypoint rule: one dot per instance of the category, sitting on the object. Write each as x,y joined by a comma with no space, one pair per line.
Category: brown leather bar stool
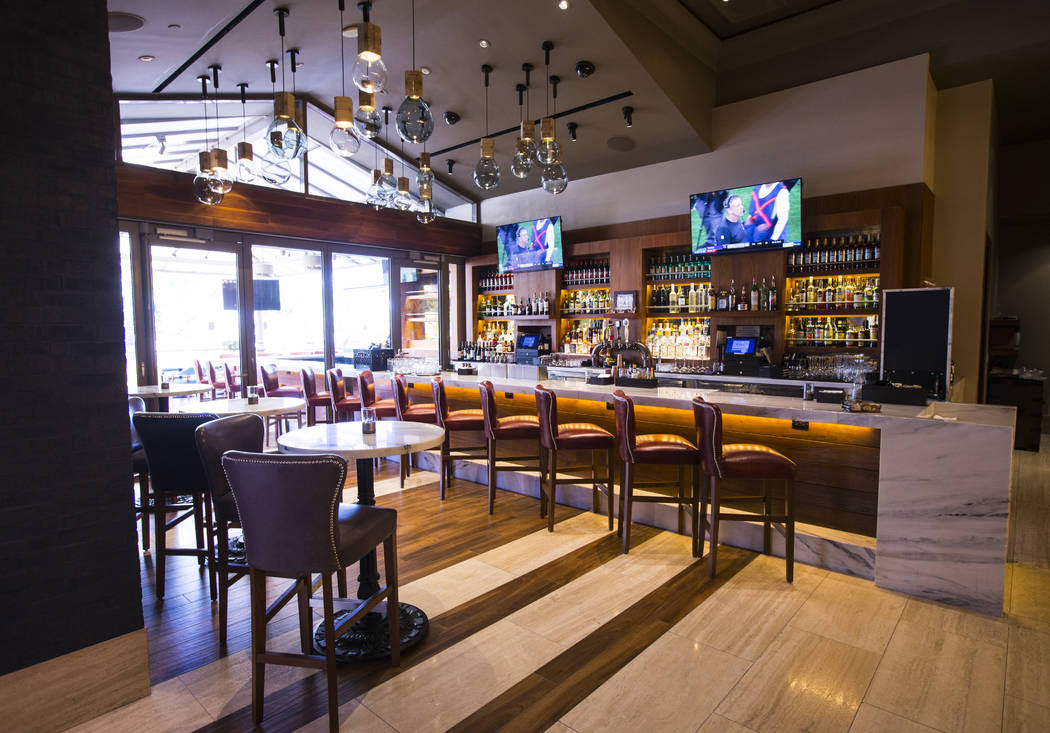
469,420
572,436
343,405
407,411
233,382
746,461
366,390
271,383
140,468
295,526
217,385
655,449
314,399
512,427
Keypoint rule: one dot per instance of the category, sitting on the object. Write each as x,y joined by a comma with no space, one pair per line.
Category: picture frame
625,301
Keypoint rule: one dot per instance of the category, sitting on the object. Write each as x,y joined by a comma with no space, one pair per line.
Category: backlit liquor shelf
841,293
855,252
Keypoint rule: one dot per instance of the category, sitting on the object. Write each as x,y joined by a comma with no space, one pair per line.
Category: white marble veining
240,405
345,439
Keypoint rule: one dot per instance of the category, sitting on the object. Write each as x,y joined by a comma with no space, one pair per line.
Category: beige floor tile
1008,587
1021,716
970,624
449,686
452,586
393,485
802,682
718,724
559,727
941,679
665,551
170,706
1028,665
1030,594
673,685
353,716
535,550
871,719
746,614
851,610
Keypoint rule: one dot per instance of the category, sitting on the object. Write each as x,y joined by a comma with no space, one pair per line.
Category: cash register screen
528,341
740,347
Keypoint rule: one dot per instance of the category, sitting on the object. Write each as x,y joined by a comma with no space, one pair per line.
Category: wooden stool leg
210,538
258,594
341,584
198,526
789,533
704,525
628,496
160,521
713,526
329,656
610,482
444,467
680,495
303,589
594,481
221,571
393,610
767,526
404,468
694,504
553,491
492,473
144,501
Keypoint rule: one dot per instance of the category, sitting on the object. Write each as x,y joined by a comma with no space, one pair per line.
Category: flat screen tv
748,218
267,295
530,245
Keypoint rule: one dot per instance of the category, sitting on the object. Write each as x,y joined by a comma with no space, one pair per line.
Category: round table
367,640
153,392
266,407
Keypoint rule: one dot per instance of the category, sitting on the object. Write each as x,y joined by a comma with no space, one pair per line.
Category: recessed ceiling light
484,43
147,57
563,4
425,70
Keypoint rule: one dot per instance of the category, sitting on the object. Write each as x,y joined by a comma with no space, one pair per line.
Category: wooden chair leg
553,490
144,502
303,588
341,583
210,539
393,610
712,557
610,482
258,595
694,504
159,534
767,526
594,481
680,495
404,468
329,656
444,467
492,474
789,529
198,526
628,499
222,572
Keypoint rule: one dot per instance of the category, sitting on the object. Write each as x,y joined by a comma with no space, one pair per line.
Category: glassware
368,420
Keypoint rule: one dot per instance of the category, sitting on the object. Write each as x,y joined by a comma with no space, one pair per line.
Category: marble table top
239,405
174,390
392,437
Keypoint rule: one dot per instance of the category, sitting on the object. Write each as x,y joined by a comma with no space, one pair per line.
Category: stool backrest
309,382
269,380
366,385
135,404
708,419
336,387
171,449
547,410
488,408
437,386
212,379
201,378
288,505
625,437
236,432
401,401
229,380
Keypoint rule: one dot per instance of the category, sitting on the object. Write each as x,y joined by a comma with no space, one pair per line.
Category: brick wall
68,560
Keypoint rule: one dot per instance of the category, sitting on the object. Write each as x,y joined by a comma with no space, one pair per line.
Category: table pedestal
369,638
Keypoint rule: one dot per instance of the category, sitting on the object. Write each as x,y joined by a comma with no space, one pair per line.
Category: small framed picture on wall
625,301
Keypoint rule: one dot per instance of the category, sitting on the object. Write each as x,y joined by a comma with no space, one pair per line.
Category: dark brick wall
68,560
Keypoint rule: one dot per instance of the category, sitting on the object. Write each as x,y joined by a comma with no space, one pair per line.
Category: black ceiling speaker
584,69
451,118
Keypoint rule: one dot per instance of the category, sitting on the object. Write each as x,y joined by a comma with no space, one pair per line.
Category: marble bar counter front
930,484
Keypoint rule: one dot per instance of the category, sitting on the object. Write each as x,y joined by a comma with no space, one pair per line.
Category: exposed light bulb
425,177
246,171
344,139
285,137
369,72
203,191
554,178
425,214
220,180
367,118
373,197
548,150
520,167
526,146
486,172
275,171
403,199
387,183
415,122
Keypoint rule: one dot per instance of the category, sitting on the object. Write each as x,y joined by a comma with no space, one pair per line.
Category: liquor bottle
875,248
829,295
824,251
772,295
673,300
840,295
849,252
859,297
873,330
875,295
847,295
818,297
754,295
732,294
867,249
694,300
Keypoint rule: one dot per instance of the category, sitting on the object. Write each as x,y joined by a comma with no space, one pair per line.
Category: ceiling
676,58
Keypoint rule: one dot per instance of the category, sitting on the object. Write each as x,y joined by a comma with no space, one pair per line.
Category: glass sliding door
361,300
127,290
419,312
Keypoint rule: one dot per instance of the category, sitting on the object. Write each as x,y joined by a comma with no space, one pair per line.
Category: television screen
740,347
528,341
530,245
766,216
267,295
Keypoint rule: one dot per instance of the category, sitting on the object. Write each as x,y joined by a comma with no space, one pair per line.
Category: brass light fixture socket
547,128
488,147
219,161
366,101
424,161
204,161
402,184
245,153
284,105
388,167
528,130
376,175
369,42
414,83
344,112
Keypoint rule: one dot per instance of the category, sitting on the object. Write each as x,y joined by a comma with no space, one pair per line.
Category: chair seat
361,528
384,405
517,427
472,419
419,413
321,399
284,392
583,436
138,461
348,403
748,460
665,448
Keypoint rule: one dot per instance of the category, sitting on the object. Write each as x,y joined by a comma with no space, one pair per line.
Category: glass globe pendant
201,188
368,72
520,167
367,118
526,147
220,180
403,200
554,178
285,136
387,183
276,172
548,151
486,172
425,177
344,139
373,197
425,214
414,121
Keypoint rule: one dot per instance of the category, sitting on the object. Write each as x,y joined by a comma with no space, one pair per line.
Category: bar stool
233,384
366,389
513,427
572,436
341,403
202,378
455,421
217,385
271,383
746,461
409,412
657,449
314,399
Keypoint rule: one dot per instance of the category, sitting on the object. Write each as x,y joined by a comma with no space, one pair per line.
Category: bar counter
943,483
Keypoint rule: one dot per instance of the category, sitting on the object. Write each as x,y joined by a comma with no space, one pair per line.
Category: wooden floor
534,631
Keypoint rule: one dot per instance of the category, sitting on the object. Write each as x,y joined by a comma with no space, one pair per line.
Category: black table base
369,638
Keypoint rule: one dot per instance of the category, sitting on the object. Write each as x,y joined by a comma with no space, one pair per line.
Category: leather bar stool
572,436
314,399
202,378
366,390
271,384
295,526
343,405
512,427
140,468
407,411
746,461
468,420
655,449
233,384
217,385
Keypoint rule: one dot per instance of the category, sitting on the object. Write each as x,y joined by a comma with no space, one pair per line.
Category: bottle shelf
494,291
516,318
592,316
592,286
747,313
839,345
651,280
866,268
834,312
656,313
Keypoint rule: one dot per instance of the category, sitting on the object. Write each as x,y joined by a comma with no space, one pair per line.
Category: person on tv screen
709,207
731,229
770,208
543,238
523,251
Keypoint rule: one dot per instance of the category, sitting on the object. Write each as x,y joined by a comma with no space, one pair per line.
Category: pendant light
274,170
285,136
548,150
553,176
403,200
521,163
425,177
414,122
367,118
486,172
245,154
221,181
387,183
344,139
372,196
201,188
426,215
369,71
